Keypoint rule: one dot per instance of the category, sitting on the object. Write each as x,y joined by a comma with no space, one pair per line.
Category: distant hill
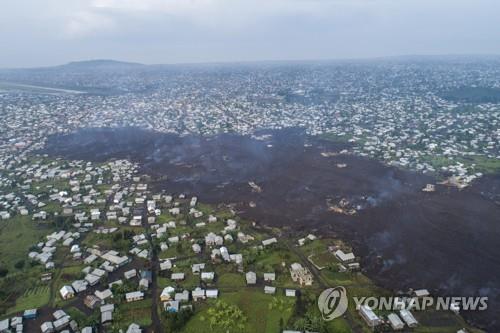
100,64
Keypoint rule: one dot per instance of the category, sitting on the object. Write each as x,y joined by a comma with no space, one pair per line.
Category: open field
255,306
17,235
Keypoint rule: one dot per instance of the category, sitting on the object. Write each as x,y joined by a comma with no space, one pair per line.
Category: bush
176,321
19,264
3,271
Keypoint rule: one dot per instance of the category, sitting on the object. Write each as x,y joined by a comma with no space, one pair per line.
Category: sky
52,32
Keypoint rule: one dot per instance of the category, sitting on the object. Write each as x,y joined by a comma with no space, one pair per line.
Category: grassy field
255,306
32,298
135,312
17,235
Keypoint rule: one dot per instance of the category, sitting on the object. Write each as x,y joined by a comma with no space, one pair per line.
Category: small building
134,296
106,317
344,257
130,274
92,279
92,301
165,265
212,293
182,297
30,314
395,322
196,248
47,327
143,284
177,276
79,285
269,241
269,277
421,293
67,292
269,290
103,295
251,278
198,294
167,293
134,328
61,323
4,326
208,276
369,316
301,274
408,318
290,292
107,307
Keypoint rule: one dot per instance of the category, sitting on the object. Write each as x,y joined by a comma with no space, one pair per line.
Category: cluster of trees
122,240
306,316
119,290
175,321
224,317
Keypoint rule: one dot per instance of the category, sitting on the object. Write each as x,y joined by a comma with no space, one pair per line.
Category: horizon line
235,62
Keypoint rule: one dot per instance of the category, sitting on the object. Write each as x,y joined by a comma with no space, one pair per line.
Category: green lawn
231,280
33,298
17,235
255,306
134,312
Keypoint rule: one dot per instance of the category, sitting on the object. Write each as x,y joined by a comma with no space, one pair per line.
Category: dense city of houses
410,127
390,111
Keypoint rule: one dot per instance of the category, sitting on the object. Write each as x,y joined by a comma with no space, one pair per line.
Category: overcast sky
50,32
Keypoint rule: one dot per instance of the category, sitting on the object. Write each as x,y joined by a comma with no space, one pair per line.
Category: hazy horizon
203,31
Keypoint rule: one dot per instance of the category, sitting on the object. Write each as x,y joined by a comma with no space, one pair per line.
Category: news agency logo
332,303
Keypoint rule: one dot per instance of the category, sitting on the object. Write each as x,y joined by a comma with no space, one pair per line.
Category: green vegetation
34,297
138,312
255,308
17,236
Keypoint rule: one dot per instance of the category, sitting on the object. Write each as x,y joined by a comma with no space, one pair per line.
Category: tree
176,321
281,305
226,318
19,264
312,322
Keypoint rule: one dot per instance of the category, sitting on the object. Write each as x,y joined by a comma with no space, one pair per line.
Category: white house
369,316
344,257
251,278
134,296
395,322
408,318
67,292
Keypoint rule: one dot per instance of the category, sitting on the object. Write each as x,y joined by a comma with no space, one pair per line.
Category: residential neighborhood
227,198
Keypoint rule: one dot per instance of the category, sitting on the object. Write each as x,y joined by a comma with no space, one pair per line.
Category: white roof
134,294
344,256
368,312
167,291
4,325
107,307
212,293
408,317
395,321
177,276
66,290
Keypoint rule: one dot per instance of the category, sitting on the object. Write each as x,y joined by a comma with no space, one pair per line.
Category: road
318,277
155,318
